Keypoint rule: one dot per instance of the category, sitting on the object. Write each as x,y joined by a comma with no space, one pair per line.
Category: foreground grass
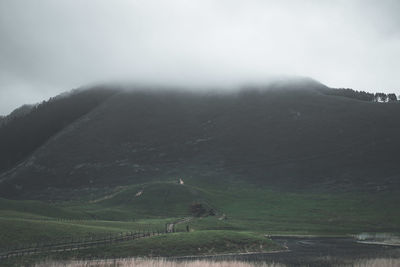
247,208
174,244
266,210
200,263
23,232
250,212
181,244
377,263
154,263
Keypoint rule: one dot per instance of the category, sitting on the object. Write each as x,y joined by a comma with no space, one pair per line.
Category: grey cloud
51,46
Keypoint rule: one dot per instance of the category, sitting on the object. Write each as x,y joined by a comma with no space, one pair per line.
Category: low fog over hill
290,135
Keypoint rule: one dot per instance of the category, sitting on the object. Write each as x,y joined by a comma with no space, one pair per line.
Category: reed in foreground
153,263
377,263
142,262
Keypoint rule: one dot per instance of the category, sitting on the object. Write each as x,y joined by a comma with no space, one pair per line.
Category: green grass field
174,244
193,243
244,214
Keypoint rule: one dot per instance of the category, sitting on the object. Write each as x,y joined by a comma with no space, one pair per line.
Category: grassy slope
251,213
164,199
176,244
30,222
266,210
247,209
37,208
194,243
282,212
17,232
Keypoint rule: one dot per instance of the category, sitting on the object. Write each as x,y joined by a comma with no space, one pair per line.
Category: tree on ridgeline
392,97
361,95
350,93
381,97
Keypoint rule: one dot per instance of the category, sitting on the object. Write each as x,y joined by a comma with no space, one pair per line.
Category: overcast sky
48,46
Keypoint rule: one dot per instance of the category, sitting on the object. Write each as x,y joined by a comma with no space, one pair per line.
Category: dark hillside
25,130
291,138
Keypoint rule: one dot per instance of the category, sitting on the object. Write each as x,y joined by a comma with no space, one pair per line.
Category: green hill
286,136
290,157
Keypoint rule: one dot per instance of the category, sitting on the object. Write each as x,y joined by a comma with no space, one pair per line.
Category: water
379,238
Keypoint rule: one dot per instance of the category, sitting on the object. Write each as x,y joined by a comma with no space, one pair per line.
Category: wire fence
83,243
89,241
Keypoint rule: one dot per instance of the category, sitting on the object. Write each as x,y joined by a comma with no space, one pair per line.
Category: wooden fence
72,245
